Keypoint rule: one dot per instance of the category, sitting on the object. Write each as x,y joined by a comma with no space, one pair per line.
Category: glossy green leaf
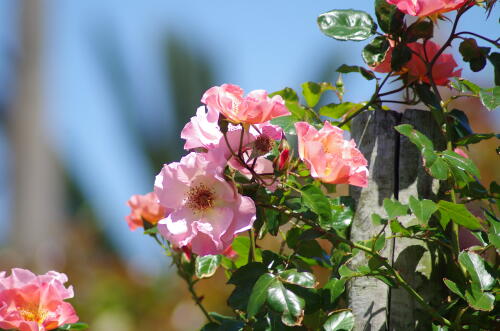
244,278
303,279
241,245
207,265
259,294
339,321
284,301
367,74
314,199
337,110
287,123
463,85
374,53
416,137
454,288
389,18
395,208
335,288
347,24
480,300
288,94
423,209
494,232
439,169
490,97
475,266
475,138
459,214
455,160
312,93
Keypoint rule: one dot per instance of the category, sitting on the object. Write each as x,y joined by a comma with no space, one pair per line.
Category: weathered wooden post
396,171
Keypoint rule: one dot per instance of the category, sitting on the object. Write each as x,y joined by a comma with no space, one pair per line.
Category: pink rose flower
144,207
427,7
443,69
202,130
330,157
254,108
30,302
207,211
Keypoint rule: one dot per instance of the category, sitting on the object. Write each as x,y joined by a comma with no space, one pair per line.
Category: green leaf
244,278
335,288
490,97
336,110
416,137
241,245
494,232
475,138
347,24
420,29
314,199
367,74
312,93
287,123
389,18
401,54
374,53
474,265
463,85
480,300
423,209
285,302
455,160
396,227
459,214
342,212
207,265
454,288
288,94
378,220
395,208
343,320
473,54
74,326
495,60
304,279
259,294
439,169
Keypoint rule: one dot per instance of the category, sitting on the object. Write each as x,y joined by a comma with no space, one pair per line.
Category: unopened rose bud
282,161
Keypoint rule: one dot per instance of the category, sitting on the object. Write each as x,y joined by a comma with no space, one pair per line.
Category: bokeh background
93,95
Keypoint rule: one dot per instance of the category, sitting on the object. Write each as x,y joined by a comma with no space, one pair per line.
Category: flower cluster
196,202
30,302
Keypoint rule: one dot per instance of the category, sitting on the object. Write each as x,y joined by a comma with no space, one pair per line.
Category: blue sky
257,44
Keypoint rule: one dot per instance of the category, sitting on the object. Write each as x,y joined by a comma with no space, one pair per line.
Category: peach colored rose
444,68
254,108
330,157
144,207
207,211
427,7
30,302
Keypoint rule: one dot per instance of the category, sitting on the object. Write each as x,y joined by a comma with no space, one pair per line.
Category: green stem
252,257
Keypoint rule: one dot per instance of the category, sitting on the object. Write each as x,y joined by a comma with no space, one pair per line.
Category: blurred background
93,95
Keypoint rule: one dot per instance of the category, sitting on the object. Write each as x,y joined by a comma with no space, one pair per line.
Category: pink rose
330,157
443,69
254,108
144,207
207,210
427,7
30,302
202,130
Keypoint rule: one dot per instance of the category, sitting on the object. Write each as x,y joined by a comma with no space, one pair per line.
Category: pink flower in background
444,68
330,157
144,207
202,130
460,152
254,108
30,302
426,7
207,211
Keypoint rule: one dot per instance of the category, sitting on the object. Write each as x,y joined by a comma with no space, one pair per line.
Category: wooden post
396,171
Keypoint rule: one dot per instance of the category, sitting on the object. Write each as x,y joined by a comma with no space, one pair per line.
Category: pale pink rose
444,68
460,152
202,130
30,302
144,207
207,211
427,7
330,157
254,108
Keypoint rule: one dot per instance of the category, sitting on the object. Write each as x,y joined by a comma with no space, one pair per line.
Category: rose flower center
263,144
33,314
200,198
